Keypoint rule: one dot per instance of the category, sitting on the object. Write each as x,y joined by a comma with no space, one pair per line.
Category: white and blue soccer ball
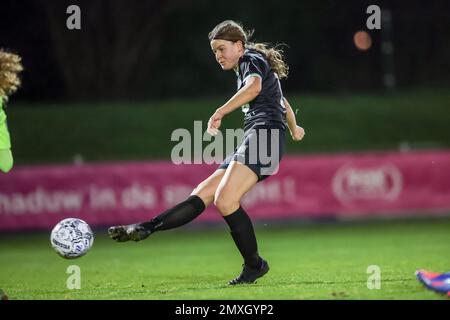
72,238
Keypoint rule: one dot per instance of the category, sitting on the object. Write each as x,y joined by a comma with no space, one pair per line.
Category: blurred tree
158,49
116,48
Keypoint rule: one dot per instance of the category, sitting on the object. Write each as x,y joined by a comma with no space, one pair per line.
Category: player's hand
298,133
214,123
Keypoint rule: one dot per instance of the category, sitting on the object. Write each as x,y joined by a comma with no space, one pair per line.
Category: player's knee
225,204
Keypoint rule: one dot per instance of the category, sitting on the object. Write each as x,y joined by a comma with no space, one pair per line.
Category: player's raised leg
237,181
179,215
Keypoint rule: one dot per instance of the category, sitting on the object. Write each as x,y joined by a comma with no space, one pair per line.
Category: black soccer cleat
249,275
134,232
118,233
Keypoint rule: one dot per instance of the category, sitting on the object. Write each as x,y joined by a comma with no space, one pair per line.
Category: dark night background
92,132
159,49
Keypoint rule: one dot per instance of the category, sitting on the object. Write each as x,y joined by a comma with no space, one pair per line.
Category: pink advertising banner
344,185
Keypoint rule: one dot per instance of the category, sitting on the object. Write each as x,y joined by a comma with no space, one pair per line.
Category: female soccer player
10,66
267,114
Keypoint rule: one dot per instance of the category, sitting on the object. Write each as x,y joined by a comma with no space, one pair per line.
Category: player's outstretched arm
246,94
297,132
6,160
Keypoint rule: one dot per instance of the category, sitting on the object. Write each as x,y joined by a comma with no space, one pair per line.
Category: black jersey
268,106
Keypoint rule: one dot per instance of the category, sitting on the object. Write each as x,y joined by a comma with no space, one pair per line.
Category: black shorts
261,150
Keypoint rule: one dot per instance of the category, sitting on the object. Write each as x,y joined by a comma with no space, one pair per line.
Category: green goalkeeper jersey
5,142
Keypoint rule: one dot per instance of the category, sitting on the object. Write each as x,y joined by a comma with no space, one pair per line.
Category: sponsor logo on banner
374,183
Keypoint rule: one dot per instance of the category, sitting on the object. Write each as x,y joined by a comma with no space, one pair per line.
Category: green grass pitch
308,261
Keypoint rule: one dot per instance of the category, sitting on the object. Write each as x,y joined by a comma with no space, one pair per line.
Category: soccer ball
72,238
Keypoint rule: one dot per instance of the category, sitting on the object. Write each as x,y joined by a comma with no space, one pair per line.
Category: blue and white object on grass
439,282
72,238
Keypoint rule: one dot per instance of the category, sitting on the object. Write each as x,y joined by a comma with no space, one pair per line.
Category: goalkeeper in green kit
10,66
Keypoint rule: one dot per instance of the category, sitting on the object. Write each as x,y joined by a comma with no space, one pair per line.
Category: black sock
182,213
244,237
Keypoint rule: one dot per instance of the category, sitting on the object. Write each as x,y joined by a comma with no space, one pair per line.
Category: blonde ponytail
274,56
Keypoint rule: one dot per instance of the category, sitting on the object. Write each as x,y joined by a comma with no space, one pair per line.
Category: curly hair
234,31
10,67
